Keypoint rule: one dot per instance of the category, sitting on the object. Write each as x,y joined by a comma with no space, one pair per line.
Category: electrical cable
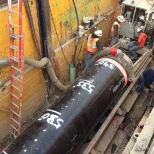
32,28
78,54
58,37
77,18
47,80
76,12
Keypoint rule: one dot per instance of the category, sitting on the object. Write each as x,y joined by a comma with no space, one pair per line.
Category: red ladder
16,53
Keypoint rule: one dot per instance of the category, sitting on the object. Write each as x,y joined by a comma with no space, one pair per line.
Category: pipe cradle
65,125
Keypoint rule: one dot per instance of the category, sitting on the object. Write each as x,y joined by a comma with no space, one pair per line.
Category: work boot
134,58
138,90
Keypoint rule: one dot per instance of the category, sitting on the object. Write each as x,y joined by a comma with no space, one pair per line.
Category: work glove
136,43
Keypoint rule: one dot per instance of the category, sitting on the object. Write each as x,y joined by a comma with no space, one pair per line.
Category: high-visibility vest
112,29
91,44
142,39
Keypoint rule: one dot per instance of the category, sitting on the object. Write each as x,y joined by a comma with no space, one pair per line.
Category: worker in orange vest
115,30
93,44
137,45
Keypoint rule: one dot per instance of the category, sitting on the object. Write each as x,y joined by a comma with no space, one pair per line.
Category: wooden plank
108,136
132,141
128,103
116,142
145,136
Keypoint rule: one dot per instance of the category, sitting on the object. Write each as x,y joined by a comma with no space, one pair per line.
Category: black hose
76,12
44,71
58,37
77,18
78,54
32,28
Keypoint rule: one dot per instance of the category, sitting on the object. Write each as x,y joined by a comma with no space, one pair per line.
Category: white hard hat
139,29
121,18
152,15
98,32
141,17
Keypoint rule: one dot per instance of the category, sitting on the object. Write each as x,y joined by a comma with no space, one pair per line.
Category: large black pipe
64,126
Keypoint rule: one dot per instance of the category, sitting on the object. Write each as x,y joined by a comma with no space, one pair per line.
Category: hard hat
121,18
153,16
141,17
98,32
139,29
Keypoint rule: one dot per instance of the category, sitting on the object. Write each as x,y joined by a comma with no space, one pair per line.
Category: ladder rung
14,36
15,87
15,78
14,120
14,12
4,152
16,68
14,128
15,25
14,58
14,47
14,135
15,113
15,105
15,96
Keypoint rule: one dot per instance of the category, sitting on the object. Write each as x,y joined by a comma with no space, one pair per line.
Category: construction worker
115,30
146,80
137,45
93,44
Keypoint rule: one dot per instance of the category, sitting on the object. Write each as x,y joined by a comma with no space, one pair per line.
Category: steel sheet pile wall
66,124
